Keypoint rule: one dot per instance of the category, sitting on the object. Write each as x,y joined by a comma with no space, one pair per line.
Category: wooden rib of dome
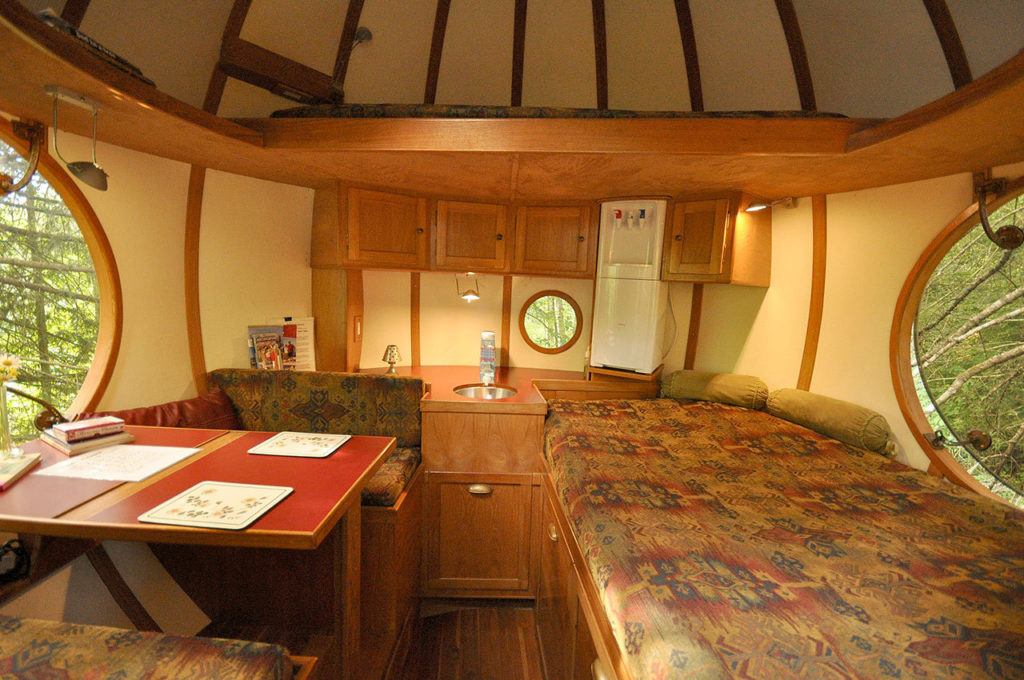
975,127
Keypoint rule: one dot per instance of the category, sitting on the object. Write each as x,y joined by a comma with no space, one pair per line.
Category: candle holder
392,357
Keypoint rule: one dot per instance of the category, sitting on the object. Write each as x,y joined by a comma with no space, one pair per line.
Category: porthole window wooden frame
111,306
576,309
900,340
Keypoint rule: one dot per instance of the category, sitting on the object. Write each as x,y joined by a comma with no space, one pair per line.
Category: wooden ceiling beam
518,52
74,12
600,53
797,54
257,66
345,45
689,41
436,47
949,38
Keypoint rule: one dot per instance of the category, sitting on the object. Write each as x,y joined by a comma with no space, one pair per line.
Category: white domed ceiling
872,58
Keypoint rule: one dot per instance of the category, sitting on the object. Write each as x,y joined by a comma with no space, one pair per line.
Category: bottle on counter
488,360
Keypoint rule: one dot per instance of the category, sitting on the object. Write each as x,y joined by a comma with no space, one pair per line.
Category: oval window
967,355
49,295
550,321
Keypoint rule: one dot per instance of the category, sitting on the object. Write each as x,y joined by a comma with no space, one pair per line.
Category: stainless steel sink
481,391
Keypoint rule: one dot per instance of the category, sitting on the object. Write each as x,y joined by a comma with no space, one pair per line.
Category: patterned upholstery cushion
730,543
320,401
393,476
33,649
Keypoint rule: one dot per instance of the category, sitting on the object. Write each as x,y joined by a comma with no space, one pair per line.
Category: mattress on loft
478,111
729,543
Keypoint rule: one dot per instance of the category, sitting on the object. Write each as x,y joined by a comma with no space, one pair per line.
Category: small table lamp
391,356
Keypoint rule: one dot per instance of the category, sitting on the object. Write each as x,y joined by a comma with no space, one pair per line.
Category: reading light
468,287
36,136
89,172
788,201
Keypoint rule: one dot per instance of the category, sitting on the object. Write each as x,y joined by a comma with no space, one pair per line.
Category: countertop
442,380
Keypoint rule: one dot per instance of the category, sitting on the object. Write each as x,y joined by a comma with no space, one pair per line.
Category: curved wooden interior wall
108,340
819,250
900,338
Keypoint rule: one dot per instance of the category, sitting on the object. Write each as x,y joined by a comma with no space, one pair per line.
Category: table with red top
296,569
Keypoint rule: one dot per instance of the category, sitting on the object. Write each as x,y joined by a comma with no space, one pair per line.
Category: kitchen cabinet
716,241
385,230
482,502
556,240
471,236
557,608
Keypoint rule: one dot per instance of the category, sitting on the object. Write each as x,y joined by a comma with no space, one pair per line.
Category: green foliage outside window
969,354
550,321
49,296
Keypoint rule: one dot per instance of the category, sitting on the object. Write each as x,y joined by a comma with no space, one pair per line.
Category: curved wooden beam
348,35
693,332
600,53
120,590
819,222
518,52
797,54
686,34
949,38
74,12
436,46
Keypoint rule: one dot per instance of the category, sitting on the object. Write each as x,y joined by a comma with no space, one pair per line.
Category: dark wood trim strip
685,19
797,54
194,210
257,66
193,316
693,332
518,52
353,319
414,317
819,223
74,12
436,46
600,53
506,319
119,589
348,35
949,38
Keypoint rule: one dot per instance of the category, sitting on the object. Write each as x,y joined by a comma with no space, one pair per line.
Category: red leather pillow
212,410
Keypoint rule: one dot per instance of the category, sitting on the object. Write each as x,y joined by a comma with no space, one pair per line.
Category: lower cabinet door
479,534
557,607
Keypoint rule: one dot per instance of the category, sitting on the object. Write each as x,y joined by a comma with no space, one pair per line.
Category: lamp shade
391,355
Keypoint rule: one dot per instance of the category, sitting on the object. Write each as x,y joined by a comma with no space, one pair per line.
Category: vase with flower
9,365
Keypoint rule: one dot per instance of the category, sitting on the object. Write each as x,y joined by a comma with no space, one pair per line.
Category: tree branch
995,360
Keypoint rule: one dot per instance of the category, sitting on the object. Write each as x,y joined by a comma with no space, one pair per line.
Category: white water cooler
630,300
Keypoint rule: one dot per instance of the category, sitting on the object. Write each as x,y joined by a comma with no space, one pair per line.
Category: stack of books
87,435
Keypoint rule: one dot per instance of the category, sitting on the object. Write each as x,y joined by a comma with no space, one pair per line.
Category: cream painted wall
646,69
476,62
392,67
307,31
990,31
386,316
450,327
558,57
572,359
253,261
744,61
876,59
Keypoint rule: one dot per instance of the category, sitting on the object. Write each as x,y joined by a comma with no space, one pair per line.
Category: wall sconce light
392,357
35,134
787,202
89,172
468,286
1008,237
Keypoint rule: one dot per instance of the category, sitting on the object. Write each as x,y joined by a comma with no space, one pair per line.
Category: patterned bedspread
729,543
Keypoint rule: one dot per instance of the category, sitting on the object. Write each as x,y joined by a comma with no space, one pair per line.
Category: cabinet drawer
479,532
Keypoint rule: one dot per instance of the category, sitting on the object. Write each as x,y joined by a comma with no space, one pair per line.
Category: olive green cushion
842,420
725,388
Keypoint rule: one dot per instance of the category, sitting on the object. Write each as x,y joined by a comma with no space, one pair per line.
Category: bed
725,542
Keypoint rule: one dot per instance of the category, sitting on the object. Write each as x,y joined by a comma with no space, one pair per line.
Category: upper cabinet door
558,240
696,241
471,236
387,230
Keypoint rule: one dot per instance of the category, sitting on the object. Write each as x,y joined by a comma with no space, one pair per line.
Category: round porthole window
550,321
966,354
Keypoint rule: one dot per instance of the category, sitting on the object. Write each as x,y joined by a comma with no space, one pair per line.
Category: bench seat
30,648
388,483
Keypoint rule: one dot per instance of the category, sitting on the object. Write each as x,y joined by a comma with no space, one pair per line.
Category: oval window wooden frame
111,308
522,321
942,462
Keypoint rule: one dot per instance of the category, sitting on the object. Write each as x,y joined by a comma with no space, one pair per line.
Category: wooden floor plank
475,643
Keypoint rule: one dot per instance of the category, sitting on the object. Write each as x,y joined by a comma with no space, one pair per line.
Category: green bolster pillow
849,423
727,388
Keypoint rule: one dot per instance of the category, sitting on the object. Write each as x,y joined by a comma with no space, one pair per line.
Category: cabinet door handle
500,237
581,238
419,230
480,489
553,533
